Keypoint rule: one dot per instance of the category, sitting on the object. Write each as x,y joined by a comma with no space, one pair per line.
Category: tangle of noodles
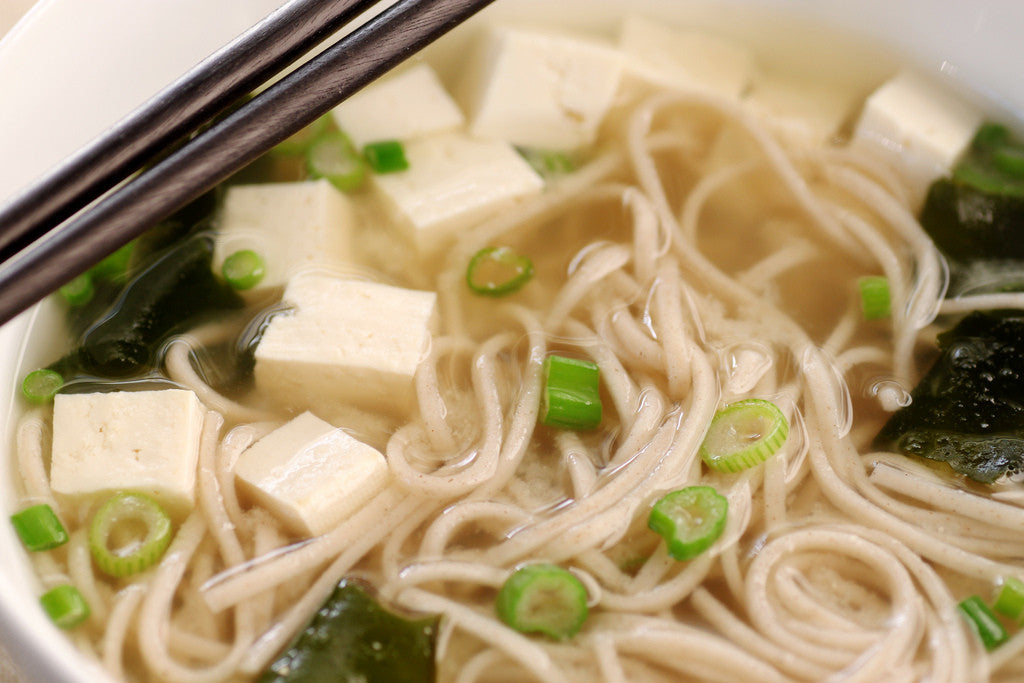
836,562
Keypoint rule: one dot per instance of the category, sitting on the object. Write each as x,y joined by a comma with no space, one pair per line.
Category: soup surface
558,355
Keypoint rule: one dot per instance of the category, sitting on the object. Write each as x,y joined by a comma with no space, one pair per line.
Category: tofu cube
538,90
293,226
310,474
409,105
345,340
685,60
920,128
146,441
452,181
815,111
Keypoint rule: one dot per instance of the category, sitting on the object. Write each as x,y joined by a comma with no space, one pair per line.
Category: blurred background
11,11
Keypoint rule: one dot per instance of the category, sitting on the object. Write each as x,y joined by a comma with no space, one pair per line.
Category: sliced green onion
118,522
78,291
497,271
39,527
386,156
543,598
65,606
690,520
332,156
548,163
243,269
990,136
114,267
744,434
1010,598
301,141
40,386
994,164
572,398
874,297
983,179
1009,160
984,622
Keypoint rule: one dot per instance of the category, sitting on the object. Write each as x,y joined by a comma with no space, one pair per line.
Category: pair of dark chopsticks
59,227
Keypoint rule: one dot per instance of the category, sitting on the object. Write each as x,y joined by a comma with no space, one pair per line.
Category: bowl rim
943,36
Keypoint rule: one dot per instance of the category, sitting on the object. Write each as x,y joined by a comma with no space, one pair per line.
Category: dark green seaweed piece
352,638
977,218
194,216
994,163
980,234
968,224
228,365
83,316
982,458
968,410
176,289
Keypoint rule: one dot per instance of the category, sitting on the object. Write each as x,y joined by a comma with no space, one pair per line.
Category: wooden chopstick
175,112
240,137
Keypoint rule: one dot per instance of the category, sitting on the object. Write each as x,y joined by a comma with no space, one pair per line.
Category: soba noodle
836,561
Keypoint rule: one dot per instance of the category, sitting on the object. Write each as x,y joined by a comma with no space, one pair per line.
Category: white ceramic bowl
70,68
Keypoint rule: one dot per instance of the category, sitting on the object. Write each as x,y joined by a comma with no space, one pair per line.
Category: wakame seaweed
968,224
976,218
176,289
980,234
968,410
994,162
352,638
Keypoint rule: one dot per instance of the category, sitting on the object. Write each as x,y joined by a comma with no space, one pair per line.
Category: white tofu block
345,340
310,474
684,59
294,226
919,127
538,90
453,181
408,105
146,441
815,111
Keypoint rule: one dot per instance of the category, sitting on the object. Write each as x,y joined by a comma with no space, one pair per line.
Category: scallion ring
875,299
39,528
543,598
497,271
333,156
690,520
744,434
386,156
244,269
41,385
990,136
983,622
65,605
119,521
78,291
1010,161
572,393
1009,598
114,268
